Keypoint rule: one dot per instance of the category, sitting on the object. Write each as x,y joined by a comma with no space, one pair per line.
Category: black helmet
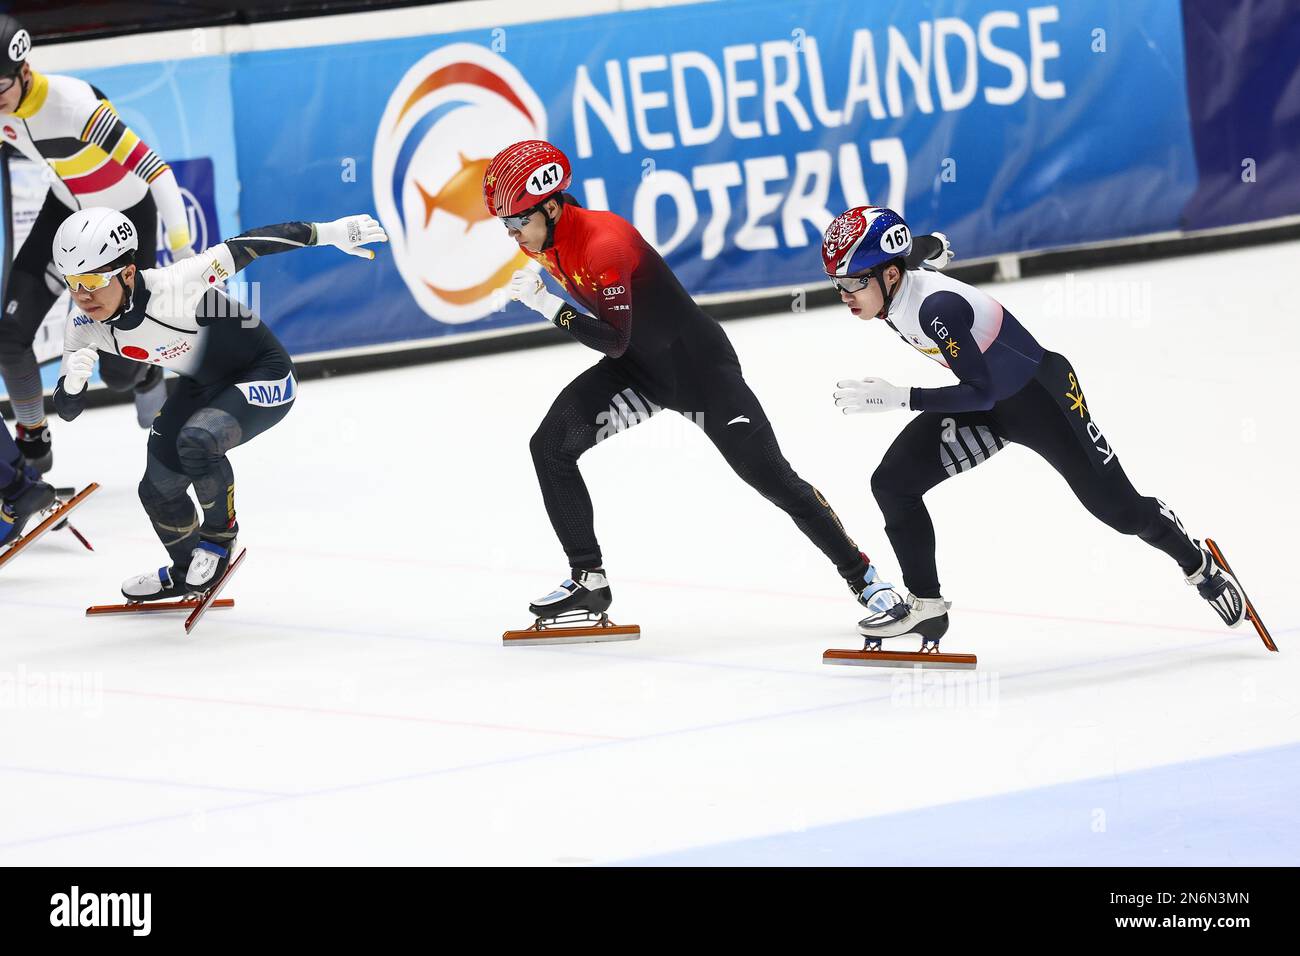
15,44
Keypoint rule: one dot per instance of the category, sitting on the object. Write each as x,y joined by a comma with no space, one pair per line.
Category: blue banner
198,185
1243,86
730,141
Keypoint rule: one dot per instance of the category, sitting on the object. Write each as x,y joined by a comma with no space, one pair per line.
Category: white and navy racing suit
1009,390
236,380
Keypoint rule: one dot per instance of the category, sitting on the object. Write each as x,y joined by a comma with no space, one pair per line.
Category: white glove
184,252
526,286
943,256
351,233
871,395
80,367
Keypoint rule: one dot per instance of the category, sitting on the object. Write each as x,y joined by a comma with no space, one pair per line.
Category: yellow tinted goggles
90,281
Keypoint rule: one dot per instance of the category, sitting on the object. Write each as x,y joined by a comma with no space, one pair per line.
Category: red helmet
524,175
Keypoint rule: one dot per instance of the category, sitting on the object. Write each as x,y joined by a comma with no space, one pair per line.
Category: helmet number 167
896,239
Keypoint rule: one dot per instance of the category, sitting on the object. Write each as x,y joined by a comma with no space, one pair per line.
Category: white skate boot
1217,585
926,618
208,562
155,586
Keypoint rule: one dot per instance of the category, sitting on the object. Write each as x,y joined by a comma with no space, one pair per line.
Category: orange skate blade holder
596,631
55,515
935,659
154,607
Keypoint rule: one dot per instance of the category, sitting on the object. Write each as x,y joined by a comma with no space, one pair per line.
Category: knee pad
198,450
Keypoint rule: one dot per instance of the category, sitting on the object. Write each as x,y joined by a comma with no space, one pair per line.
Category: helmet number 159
121,232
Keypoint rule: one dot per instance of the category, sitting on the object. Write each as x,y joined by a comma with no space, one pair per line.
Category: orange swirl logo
446,119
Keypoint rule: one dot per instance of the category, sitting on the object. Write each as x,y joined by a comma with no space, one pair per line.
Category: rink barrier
767,302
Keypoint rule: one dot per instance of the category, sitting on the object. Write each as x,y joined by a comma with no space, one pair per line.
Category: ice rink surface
357,705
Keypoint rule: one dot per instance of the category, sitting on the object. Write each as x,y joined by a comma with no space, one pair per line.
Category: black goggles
7,82
516,223
852,284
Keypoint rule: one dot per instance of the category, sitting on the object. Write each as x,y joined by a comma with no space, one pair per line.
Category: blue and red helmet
862,238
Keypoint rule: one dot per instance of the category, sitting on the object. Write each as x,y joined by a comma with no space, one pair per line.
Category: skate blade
937,660
56,514
1251,614
209,600
153,607
592,634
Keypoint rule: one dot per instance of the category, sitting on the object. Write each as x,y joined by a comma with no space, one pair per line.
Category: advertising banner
730,141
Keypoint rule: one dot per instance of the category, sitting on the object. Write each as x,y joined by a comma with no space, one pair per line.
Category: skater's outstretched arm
351,234
610,278
930,251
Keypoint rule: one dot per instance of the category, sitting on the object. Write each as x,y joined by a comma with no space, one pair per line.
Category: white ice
357,705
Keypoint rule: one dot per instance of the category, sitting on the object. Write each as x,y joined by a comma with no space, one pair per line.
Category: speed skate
1251,614
873,656
578,627
574,613
926,618
56,516
196,604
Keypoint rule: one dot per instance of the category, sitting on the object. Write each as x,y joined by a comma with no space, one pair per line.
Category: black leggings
1050,416
187,446
29,296
603,401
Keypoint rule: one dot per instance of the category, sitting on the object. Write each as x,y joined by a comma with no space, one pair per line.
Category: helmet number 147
544,180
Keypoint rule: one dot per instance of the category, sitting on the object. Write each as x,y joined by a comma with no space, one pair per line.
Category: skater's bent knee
197,448
886,484
553,442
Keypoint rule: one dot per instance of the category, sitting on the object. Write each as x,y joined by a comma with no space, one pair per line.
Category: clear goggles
91,281
852,284
517,223
7,82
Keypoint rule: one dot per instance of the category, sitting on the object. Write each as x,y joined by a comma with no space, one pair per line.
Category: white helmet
91,238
